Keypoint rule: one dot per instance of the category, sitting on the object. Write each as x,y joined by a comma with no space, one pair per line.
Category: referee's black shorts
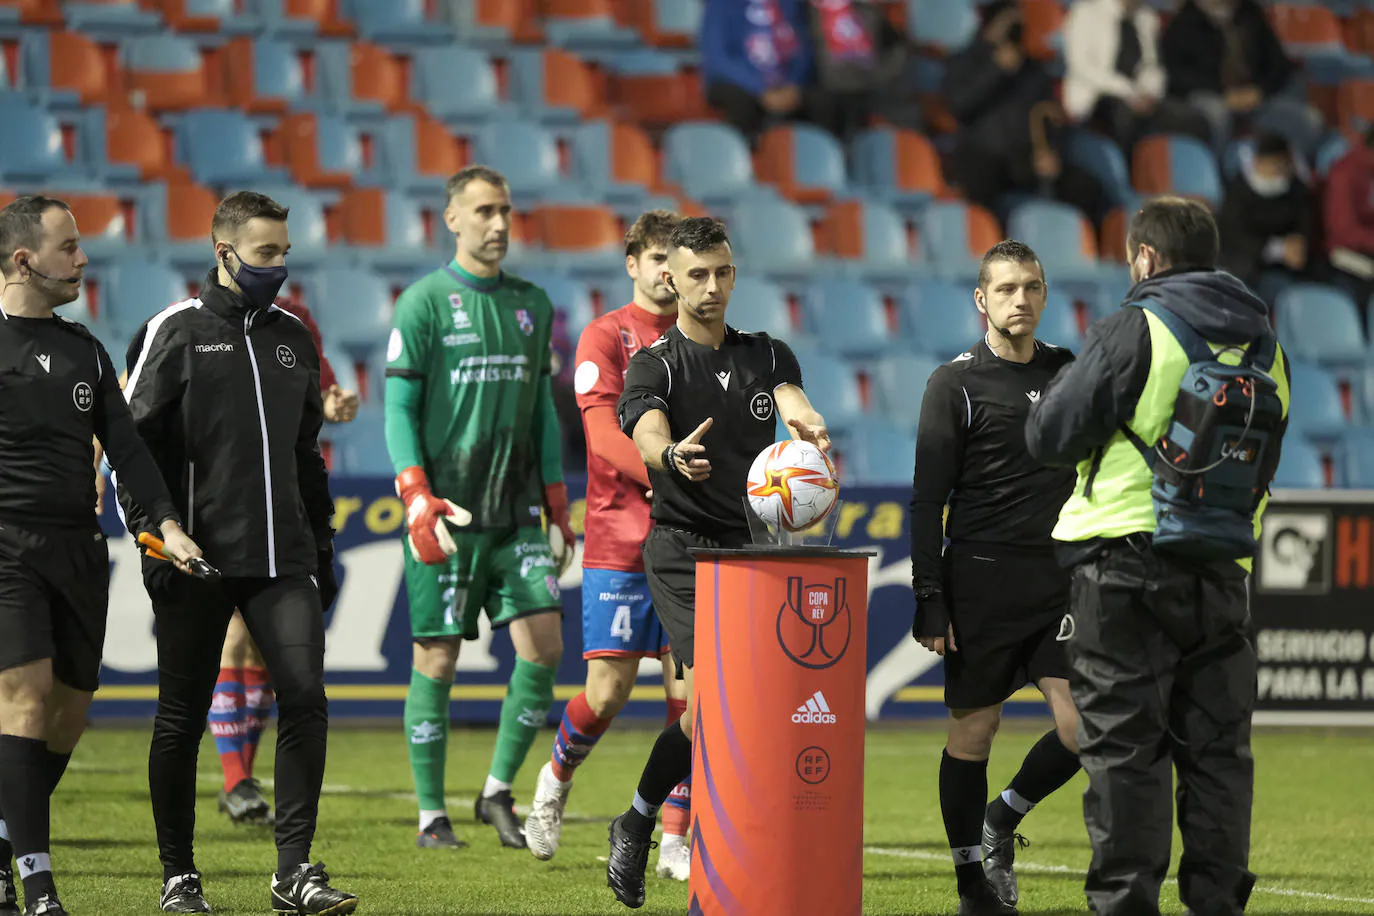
1006,605
672,573
54,601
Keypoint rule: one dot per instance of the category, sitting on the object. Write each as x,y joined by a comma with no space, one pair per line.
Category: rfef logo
814,624
813,765
815,711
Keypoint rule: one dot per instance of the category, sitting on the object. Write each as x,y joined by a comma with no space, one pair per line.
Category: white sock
493,786
33,863
671,840
429,817
1016,803
550,779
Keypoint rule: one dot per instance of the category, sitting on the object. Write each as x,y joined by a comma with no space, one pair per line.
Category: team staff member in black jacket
991,604
58,390
225,389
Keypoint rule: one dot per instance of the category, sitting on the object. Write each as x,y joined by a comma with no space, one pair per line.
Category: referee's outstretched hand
818,436
689,455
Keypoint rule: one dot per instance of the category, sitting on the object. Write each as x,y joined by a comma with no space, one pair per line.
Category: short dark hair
653,228
234,212
21,225
466,176
1182,231
698,234
1007,250
1270,144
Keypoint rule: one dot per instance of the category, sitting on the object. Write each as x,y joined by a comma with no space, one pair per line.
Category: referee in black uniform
225,389
58,390
992,602
700,404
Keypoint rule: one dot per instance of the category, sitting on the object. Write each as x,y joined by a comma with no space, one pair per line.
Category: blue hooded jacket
728,27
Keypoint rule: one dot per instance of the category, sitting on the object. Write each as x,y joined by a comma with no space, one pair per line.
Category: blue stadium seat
758,305
309,235
569,296
900,384
943,318
593,157
225,148
1058,233
589,33
1300,465
710,162
397,23
1315,409
833,387
456,84
278,73
527,89
1059,322
849,317
1320,324
773,236
817,159
31,150
1354,458
354,305
111,19
678,17
946,24
943,230
339,146
1299,122
1331,150
136,290
1194,169
527,155
886,250
1103,158
345,371
878,454
360,446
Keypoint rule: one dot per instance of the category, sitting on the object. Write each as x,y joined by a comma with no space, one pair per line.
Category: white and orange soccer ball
792,485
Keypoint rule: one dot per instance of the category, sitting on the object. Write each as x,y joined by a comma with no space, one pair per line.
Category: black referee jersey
971,454
732,385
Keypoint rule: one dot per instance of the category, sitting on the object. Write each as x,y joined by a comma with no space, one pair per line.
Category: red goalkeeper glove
562,541
427,518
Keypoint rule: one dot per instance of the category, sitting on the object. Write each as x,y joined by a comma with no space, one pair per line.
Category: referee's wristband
669,464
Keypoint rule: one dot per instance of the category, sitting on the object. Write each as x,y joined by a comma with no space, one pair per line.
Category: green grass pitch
1313,828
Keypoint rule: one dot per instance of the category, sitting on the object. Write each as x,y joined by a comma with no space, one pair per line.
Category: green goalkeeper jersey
482,424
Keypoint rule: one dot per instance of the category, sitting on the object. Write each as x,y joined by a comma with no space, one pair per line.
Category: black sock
963,793
1048,765
288,860
670,762
23,794
57,765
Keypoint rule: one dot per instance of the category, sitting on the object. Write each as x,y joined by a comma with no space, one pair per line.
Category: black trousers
285,620
1163,675
838,114
986,173
1171,116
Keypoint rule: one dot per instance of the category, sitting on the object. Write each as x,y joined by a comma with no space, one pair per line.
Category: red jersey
617,512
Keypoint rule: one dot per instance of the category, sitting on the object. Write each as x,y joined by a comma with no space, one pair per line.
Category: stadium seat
669,23
953,235
880,454
570,297
758,305
1354,458
224,148
309,234
1059,322
106,225
1307,30
360,446
617,162
1355,104
167,72
1315,409
1170,164
1103,158
1060,235
655,91
773,236
804,162
555,87
396,23
585,25
134,290
32,150
868,236
833,387
419,153
393,231
943,318
586,232
264,76
497,23
111,19
851,318
65,70
175,218
45,13
133,142
1300,465
209,16
710,162
527,154
900,384
945,25
899,165
326,151
1111,244
455,84
362,81
1331,151
304,19
1320,324
354,305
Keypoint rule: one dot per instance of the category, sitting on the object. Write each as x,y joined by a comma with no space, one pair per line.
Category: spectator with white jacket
1114,79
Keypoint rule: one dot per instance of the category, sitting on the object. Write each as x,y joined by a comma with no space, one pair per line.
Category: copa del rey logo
814,624
815,711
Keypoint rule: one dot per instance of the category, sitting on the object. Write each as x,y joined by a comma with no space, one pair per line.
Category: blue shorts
618,619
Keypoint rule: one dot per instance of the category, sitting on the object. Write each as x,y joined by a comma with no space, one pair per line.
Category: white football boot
544,826
674,858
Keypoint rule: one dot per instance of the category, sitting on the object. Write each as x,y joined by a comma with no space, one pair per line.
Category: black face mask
260,285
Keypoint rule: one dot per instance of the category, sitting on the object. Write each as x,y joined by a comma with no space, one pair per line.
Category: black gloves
932,617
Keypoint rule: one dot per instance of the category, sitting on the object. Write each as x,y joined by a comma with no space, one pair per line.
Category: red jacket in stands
327,377
1349,204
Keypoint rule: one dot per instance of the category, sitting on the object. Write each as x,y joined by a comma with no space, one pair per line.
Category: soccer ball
792,485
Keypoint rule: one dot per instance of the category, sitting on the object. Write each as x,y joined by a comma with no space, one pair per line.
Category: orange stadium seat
36,12
804,163
1150,168
571,83
578,9
633,158
181,80
1358,32
518,18
1355,102
562,227
297,141
175,15
438,153
1112,243
379,76
660,100
1044,20
133,137
325,15
359,218
1305,25
77,64
190,209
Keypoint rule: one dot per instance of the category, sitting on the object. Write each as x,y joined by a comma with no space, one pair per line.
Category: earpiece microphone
36,272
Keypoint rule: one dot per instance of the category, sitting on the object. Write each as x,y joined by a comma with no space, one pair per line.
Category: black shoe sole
502,832
338,909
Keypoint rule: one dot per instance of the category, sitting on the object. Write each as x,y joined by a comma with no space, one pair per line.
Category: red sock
258,696
227,725
577,735
677,811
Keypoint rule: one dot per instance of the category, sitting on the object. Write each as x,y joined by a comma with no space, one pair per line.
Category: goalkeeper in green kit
472,433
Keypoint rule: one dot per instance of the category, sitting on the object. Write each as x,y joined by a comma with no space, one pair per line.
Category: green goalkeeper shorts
507,574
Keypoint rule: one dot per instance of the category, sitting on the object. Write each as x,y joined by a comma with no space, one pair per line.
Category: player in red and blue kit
619,626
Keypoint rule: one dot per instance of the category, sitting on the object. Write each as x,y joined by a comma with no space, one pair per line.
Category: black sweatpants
1163,673
284,618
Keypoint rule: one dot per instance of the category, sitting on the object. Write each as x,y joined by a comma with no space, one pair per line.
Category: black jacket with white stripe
57,390
227,396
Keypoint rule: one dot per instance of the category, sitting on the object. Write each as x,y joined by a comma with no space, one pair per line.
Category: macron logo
815,711
215,348
724,379
45,361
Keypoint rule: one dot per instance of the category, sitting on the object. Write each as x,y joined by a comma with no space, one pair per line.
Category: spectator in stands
861,59
565,399
758,62
1267,218
1114,78
1348,219
1009,120
1223,56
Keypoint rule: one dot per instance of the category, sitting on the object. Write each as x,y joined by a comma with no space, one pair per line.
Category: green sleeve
403,397
547,434
408,348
